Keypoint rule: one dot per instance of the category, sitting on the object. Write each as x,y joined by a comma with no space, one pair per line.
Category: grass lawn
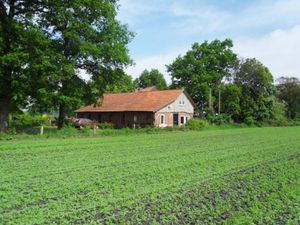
233,176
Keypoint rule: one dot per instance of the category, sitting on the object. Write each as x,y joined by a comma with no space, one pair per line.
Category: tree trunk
4,114
61,116
219,105
209,99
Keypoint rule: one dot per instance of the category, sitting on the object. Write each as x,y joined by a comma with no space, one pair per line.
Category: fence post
42,130
94,129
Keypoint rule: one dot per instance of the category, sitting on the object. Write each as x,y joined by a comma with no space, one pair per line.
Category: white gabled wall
181,104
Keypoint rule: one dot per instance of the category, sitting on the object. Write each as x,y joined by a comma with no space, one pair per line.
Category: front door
175,119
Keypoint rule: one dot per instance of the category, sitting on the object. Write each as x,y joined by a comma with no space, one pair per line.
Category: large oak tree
46,47
86,37
23,56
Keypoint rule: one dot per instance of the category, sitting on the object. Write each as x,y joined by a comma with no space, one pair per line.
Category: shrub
27,121
105,125
221,119
196,124
249,120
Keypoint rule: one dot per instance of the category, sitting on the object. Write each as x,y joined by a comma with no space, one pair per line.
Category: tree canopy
151,78
85,36
123,84
47,45
257,90
24,56
289,93
202,69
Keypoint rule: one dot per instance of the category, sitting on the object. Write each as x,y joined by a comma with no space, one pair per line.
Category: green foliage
25,64
123,84
230,100
105,125
211,177
25,121
202,68
196,124
86,36
220,119
289,93
257,90
45,48
249,120
151,78
278,111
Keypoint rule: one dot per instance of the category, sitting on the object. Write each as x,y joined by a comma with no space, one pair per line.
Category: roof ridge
177,89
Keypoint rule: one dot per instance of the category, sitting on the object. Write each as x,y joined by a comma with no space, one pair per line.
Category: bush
249,120
27,121
196,124
105,125
221,119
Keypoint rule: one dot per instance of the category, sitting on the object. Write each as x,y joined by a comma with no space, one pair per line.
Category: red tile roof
140,101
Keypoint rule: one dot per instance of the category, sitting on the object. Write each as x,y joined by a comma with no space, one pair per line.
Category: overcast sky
268,30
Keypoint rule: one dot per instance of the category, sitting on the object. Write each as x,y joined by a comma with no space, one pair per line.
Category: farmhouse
142,108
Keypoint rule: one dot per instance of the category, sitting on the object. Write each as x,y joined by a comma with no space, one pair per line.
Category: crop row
111,179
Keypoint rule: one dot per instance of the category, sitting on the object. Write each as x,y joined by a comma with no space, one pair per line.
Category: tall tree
123,84
23,56
256,83
86,36
289,93
151,78
202,69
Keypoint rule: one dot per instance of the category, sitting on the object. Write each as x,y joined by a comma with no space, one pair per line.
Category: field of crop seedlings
234,176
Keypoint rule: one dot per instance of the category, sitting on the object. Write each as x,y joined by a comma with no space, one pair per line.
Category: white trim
164,120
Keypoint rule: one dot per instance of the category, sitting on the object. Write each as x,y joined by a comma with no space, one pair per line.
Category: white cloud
131,11
155,62
200,18
279,51
268,30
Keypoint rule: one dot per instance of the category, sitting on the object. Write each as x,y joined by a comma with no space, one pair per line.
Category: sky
268,30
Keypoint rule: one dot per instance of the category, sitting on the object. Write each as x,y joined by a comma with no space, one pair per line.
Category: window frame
162,119
182,119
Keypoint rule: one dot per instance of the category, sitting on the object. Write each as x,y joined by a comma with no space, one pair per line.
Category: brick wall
168,118
143,119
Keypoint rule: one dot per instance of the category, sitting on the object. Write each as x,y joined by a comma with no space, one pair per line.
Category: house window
181,101
182,119
162,119
99,118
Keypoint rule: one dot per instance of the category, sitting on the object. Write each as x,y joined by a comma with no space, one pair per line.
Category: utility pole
219,107
209,99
